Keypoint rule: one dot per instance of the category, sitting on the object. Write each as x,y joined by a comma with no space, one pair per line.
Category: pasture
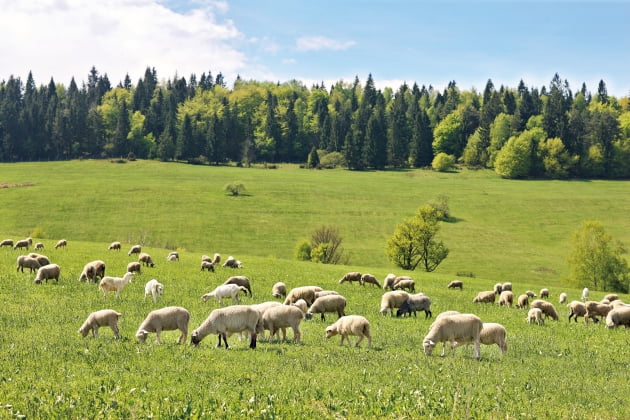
504,231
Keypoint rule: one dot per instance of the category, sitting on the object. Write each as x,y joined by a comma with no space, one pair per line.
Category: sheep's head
428,345
194,338
83,331
331,332
160,289
142,335
205,297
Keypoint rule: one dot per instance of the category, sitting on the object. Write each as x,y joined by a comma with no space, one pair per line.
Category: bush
443,162
331,160
234,188
303,251
440,203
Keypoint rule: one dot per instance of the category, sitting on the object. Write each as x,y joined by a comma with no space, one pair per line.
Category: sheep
544,293
530,294
146,260
216,259
522,301
225,291
114,246
585,294
61,243
207,265
154,289
102,318
114,284
576,309
282,317
485,297
369,278
506,298
388,283
547,308
135,249
134,267
93,270
355,325
491,333
50,271
330,303
41,259
594,309
611,297
303,292
617,303
240,281
301,303
456,284
437,318
25,261
455,328
279,290
498,288
408,284
262,307
172,256
206,258
562,298
169,318
231,262
232,319
506,286
39,246
325,293
24,243
416,303
7,242
350,277
535,316
618,316
393,300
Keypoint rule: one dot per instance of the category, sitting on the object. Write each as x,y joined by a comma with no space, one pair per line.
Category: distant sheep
325,293
506,298
485,297
153,288
279,290
232,262
547,308
207,265
562,299
216,259
618,316
330,303
388,283
41,259
92,271
240,281
302,292
585,294
522,301
459,328
145,259
25,261
595,309
279,318
7,242
116,246
456,284
350,277
393,300
535,316
24,243
169,318
232,319
492,333
102,318
225,291
39,246
62,243
114,284
301,304
369,279
172,256
530,294
506,286
408,284
135,249
134,267
576,309
498,288
415,303
50,271
544,293
611,297
348,325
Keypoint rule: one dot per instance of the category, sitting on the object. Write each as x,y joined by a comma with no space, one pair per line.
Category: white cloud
316,43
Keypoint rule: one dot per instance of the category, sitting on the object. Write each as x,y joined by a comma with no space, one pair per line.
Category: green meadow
501,230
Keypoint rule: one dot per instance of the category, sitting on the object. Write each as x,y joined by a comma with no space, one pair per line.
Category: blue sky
430,42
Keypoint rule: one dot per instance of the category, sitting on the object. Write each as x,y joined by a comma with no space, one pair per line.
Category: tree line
522,132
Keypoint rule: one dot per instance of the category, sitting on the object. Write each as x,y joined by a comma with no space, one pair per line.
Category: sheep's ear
431,342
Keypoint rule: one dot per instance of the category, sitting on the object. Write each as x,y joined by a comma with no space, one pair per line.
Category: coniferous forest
541,132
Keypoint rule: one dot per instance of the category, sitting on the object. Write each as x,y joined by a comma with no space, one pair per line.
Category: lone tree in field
414,243
326,245
596,262
234,188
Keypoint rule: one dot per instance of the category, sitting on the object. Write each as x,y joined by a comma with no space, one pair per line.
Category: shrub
303,250
443,162
331,160
234,188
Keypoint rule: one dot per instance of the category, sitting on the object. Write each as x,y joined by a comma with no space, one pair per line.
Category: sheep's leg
157,333
358,341
219,345
297,335
323,317
476,349
225,340
116,332
252,342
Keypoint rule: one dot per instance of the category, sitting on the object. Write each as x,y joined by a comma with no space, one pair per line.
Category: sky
428,42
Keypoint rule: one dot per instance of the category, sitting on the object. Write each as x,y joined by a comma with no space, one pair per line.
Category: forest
522,132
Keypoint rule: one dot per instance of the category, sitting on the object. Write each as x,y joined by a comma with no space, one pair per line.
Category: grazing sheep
393,300
232,319
595,309
388,283
544,293
39,245
547,308
114,246
370,279
506,286
93,270
25,261
102,318
154,289
303,292
617,303
576,309
522,301
325,293
301,303
350,277
262,307
535,316
485,297
62,243
437,318
279,290
585,294
282,317
563,298
172,256
618,316
169,318
462,328
408,284
530,294
348,325
114,284
492,333
498,288
145,259
415,303
41,259
611,297
135,249
134,267
207,265
506,298
206,258
330,303
240,281
225,291
456,284
216,259
7,242
231,262
24,243
50,271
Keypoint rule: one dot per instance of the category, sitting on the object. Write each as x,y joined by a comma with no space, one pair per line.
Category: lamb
506,286
25,261
563,298
415,303
154,289
355,325
7,242
576,309
231,262
135,249
41,259
370,279
330,303
282,317
301,303
134,267
393,300
485,297
169,318
303,292
522,301
408,284
114,284
388,283
207,265
350,277
172,256
61,243
225,291
232,319
618,316
498,288
585,294
544,293
279,290
93,270
240,281
102,318
611,297
547,308
462,328
456,284
506,298
114,246
145,259
595,309
535,315
492,333
24,243
39,245
50,271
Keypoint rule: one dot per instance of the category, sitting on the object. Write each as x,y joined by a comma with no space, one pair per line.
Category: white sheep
169,318
114,246
39,245
232,262
114,284
135,249
7,242
262,308
522,301
595,309
279,290
506,286
92,271
325,293
562,298
617,303
544,293
26,261
618,316
24,243
102,318
41,259
611,297
330,303
62,243
232,319
535,316
547,308
207,265
408,284
369,279
145,259
225,291
302,292
240,281
456,284
576,309
350,277
388,282
282,317
506,298
348,325
153,288
417,302
50,271
172,256
585,294
485,297
440,316
462,328
301,303
491,333
393,300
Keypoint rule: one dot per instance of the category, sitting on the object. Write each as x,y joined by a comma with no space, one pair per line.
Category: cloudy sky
430,42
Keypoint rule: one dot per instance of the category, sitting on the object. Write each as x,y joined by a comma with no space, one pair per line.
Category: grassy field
504,231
